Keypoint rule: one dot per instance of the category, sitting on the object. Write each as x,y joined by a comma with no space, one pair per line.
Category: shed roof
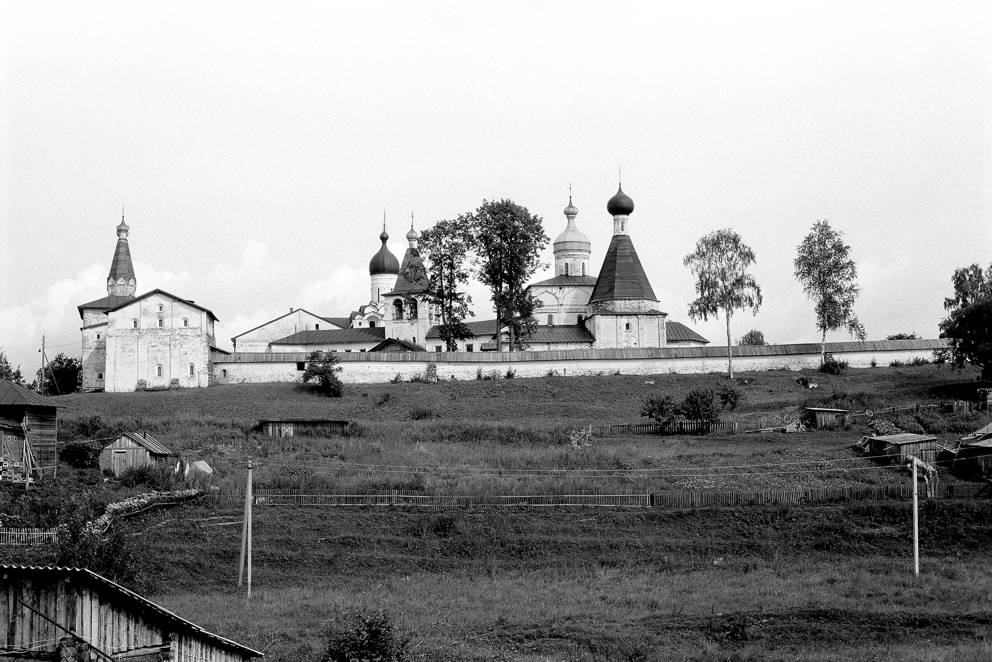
147,441
904,438
14,394
143,604
333,337
405,344
679,332
561,334
980,432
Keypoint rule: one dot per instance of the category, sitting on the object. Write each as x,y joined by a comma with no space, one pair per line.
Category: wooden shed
75,614
295,427
38,417
896,448
825,417
132,450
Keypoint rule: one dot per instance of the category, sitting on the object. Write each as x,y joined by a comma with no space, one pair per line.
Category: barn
131,450
826,417
38,418
896,448
76,614
295,427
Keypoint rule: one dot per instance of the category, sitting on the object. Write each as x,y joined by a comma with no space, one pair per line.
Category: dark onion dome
384,262
620,204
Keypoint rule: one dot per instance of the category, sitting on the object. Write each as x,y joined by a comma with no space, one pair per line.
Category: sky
256,146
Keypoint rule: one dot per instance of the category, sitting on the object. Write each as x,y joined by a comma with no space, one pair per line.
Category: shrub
903,336
156,476
367,636
918,361
699,404
730,396
323,368
833,367
510,373
384,399
932,423
660,408
81,454
421,413
896,363
397,378
752,337
908,423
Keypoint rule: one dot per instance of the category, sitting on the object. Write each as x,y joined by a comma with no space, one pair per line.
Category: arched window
551,319
161,323
185,322
627,326
398,309
158,370
566,268
192,370
578,320
583,268
134,324
161,307
371,324
316,327
412,306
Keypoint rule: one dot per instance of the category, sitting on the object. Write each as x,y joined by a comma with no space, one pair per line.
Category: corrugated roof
151,443
168,294
103,303
142,603
678,332
566,281
333,337
622,276
560,334
13,394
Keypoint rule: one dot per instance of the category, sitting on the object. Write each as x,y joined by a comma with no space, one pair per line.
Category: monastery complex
587,323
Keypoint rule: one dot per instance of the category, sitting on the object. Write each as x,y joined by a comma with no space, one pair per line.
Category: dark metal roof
560,334
566,281
168,294
343,322
388,343
620,204
412,276
13,394
333,337
103,303
149,442
622,276
477,327
678,332
136,600
384,262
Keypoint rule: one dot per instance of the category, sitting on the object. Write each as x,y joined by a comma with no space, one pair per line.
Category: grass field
815,582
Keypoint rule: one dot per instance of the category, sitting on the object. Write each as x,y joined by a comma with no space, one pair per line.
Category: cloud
338,293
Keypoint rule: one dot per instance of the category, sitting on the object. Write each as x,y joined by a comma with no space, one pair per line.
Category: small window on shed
192,370
300,365
158,371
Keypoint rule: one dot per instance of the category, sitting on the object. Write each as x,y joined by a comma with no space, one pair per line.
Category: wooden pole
244,527
916,523
249,514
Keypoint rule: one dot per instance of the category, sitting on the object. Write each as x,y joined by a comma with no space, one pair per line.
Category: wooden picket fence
675,427
667,499
14,536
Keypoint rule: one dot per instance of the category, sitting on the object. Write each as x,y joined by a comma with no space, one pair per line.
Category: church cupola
412,236
620,207
383,267
121,281
572,247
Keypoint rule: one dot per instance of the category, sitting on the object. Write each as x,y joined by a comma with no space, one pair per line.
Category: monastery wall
378,367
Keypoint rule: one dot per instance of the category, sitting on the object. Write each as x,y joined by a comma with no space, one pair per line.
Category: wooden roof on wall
16,395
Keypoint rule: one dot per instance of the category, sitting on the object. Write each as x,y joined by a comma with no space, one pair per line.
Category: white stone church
160,340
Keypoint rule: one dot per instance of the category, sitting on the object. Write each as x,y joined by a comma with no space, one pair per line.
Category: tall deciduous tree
10,373
61,375
508,241
752,337
446,248
829,277
323,368
723,285
969,322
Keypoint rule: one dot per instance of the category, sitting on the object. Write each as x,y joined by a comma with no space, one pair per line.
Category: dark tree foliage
62,375
366,636
699,404
322,368
660,408
903,336
446,248
507,241
968,325
720,264
10,373
730,396
752,337
829,277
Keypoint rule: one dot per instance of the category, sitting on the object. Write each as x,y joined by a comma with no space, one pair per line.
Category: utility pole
916,520
246,534
42,380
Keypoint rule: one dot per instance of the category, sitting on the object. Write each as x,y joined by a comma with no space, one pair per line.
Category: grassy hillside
822,582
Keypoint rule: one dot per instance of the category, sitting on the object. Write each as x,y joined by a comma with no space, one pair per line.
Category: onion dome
620,204
384,262
412,236
572,238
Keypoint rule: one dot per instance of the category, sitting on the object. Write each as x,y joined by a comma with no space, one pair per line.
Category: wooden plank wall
43,432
